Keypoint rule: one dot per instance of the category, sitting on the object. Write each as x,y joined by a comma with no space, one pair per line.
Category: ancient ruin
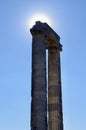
46,106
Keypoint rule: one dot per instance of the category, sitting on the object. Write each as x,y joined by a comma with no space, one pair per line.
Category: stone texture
44,37
39,99
55,117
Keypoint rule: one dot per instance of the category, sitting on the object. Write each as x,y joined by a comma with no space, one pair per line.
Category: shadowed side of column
39,98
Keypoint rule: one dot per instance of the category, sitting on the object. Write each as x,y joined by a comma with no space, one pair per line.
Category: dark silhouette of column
39,92
55,119
44,37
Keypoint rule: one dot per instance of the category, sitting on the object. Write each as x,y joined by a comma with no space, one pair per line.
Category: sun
39,17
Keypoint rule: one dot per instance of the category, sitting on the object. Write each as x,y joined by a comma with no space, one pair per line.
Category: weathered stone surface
39,99
44,37
52,39
55,117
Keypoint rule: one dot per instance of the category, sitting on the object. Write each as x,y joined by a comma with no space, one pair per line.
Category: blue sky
69,21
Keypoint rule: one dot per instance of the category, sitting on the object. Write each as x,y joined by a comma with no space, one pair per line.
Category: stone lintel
52,38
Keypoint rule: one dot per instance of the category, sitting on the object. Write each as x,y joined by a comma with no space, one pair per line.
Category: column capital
52,38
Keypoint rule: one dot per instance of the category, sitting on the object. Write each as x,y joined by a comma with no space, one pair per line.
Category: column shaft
39,91
55,117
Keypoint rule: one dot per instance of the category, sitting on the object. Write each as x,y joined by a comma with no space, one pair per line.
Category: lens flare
38,17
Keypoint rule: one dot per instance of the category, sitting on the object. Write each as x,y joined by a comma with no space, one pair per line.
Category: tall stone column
55,116
39,90
44,37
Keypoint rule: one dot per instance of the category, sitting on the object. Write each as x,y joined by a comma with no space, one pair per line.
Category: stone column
55,116
39,95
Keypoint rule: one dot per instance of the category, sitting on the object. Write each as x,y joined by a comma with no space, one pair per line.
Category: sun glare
38,17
